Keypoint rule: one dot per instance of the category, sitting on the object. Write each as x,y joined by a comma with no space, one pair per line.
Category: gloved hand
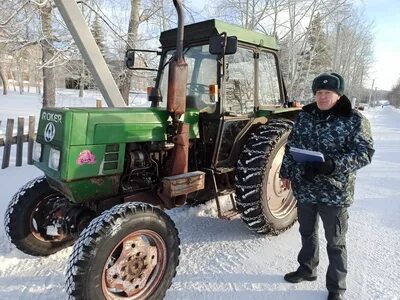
312,169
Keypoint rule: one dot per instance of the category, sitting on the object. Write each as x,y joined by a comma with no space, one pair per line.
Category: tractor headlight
37,151
54,159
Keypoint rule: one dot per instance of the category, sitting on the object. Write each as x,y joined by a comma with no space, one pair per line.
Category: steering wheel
197,88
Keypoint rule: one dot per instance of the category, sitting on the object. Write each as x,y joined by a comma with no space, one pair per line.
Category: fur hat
332,82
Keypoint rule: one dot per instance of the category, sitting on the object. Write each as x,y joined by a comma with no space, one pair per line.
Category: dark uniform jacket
344,135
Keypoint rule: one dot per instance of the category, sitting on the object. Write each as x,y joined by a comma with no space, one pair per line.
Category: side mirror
130,58
223,44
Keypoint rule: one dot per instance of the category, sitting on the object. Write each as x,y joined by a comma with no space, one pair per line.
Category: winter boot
335,296
296,277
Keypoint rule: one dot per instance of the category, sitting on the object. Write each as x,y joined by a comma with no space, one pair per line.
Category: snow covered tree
133,29
352,42
318,54
315,58
48,52
3,72
3,78
249,14
98,34
394,95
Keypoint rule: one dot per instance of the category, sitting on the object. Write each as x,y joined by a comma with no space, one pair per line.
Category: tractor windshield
202,72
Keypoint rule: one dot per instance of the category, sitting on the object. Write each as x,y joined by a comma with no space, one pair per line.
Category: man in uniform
326,189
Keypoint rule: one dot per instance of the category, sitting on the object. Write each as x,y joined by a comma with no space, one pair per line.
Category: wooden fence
19,140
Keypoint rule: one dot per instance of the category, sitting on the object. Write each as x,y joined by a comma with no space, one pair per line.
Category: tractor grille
111,157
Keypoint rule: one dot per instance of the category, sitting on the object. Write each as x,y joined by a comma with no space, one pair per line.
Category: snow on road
223,260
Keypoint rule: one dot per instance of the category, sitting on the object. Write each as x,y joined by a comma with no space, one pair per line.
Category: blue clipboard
303,155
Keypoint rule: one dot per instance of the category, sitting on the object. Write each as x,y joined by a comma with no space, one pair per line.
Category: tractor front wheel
129,252
31,222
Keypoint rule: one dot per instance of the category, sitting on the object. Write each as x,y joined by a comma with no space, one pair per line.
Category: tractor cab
233,80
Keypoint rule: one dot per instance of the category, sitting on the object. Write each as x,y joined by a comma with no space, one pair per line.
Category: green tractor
216,125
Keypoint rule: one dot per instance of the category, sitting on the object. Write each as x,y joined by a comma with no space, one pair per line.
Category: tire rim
37,217
280,201
135,267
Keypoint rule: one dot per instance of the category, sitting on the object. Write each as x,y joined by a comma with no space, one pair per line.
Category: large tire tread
91,239
251,172
17,217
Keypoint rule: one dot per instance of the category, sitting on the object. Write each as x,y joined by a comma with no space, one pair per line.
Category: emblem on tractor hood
53,117
49,132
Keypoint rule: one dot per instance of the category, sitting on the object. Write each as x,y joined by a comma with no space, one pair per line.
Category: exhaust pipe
176,106
179,42
178,71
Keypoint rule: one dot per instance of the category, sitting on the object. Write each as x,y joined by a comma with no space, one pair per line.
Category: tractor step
229,214
224,192
223,214
224,170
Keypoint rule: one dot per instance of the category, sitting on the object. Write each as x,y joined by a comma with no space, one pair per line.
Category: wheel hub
47,219
135,266
276,194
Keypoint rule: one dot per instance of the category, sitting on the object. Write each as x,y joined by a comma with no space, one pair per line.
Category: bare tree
3,75
49,84
394,95
353,53
249,14
305,52
159,14
137,23
4,80
29,24
133,28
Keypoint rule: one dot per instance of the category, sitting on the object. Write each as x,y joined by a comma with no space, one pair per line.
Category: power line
107,22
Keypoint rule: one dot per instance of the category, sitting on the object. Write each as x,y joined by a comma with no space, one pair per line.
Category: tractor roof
202,31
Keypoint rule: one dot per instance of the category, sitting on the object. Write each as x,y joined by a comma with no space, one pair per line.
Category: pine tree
315,59
98,35
320,56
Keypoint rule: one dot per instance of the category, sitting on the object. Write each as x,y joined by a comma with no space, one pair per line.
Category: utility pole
335,54
370,93
83,38
336,46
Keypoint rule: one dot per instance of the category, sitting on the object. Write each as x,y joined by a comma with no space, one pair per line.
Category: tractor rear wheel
265,206
129,252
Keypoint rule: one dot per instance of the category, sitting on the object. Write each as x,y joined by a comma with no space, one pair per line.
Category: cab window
268,92
202,72
240,82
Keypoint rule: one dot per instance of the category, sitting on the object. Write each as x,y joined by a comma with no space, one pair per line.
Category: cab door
252,83
237,107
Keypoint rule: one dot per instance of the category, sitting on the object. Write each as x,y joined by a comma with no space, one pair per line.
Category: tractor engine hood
92,126
83,149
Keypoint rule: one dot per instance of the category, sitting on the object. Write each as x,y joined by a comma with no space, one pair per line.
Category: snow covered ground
223,260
